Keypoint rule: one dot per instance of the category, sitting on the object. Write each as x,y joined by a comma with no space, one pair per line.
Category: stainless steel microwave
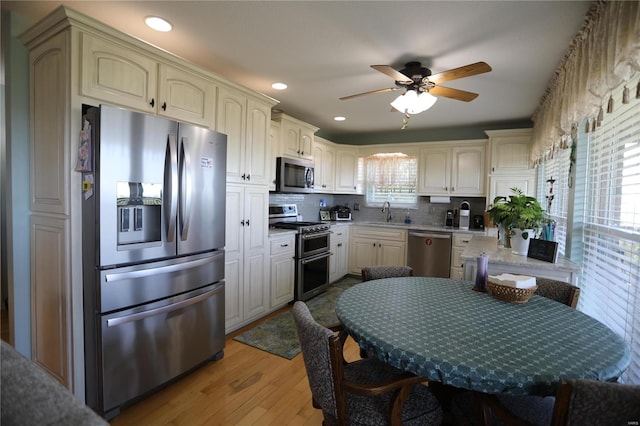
294,175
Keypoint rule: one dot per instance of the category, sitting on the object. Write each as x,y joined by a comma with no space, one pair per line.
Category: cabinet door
468,171
346,171
290,139
185,96
362,252
118,75
306,143
434,171
258,140
234,262
256,278
231,121
282,278
501,185
510,153
391,253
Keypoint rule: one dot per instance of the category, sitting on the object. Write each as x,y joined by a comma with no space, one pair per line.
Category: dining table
442,330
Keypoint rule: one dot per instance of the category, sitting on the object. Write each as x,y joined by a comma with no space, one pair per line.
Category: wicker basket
511,294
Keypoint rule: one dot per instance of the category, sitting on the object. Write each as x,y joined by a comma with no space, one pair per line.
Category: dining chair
473,408
379,272
558,290
363,392
589,402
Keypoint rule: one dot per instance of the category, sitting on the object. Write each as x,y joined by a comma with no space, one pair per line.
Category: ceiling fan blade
391,72
447,92
454,74
390,89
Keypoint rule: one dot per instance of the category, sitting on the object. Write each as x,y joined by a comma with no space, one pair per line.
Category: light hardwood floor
246,387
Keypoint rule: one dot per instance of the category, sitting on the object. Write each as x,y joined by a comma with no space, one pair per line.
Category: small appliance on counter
448,219
478,221
465,210
340,213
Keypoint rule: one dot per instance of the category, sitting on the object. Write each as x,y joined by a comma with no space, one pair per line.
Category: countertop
410,226
498,255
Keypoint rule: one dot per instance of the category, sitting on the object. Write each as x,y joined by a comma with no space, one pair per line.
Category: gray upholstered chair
379,272
501,409
30,396
559,291
589,402
363,392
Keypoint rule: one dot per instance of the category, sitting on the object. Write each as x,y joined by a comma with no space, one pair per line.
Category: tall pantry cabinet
75,60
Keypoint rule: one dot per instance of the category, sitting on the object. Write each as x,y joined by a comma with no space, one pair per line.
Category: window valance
602,56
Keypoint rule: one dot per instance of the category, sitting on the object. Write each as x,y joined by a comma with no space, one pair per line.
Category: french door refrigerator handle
185,188
143,273
113,322
170,206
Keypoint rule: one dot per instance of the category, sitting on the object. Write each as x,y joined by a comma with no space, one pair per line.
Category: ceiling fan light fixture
412,103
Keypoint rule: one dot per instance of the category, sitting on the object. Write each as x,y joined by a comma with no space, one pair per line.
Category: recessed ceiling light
339,118
158,23
279,86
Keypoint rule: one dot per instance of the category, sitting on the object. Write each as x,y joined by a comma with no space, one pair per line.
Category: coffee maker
465,211
448,219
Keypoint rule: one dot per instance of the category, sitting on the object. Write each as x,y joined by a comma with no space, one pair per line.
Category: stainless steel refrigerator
153,252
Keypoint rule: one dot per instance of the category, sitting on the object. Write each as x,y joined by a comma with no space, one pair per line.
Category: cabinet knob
284,245
248,177
244,177
242,222
339,244
247,222
164,106
153,102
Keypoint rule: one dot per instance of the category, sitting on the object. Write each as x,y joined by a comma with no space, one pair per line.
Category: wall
16,232
427,213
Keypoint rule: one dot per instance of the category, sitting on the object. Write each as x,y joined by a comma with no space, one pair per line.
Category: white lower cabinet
339,246
460,242
371,246
246,252
282,269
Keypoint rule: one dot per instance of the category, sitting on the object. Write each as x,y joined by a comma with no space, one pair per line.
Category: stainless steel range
312,250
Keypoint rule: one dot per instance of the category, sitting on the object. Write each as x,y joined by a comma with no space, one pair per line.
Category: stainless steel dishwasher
429,253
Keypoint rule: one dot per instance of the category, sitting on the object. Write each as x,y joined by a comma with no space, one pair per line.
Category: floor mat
278,335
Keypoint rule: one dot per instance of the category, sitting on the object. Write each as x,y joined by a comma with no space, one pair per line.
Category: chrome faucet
388,205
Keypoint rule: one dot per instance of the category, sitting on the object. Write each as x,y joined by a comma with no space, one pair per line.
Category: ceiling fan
418,79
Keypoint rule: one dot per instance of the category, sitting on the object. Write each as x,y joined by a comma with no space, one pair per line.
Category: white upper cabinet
296,137
324,165
246,122
123,75
346,170
510,150
452,169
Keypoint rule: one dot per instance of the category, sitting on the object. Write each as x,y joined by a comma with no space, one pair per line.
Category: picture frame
546,251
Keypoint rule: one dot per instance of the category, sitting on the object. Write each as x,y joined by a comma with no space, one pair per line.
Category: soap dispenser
407,218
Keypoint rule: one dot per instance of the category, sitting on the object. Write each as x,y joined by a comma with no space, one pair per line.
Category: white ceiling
323,50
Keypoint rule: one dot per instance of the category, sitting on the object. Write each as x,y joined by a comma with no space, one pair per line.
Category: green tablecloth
442,330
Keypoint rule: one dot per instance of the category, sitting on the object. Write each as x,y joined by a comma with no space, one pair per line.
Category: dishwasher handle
434,236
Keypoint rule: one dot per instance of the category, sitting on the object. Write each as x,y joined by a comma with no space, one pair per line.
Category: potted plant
520,216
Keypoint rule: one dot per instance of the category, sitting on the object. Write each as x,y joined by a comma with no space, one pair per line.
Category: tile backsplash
427,213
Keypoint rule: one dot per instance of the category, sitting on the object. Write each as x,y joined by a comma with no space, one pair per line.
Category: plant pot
520,241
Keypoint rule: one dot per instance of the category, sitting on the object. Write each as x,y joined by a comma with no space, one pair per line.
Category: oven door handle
314,258
317,235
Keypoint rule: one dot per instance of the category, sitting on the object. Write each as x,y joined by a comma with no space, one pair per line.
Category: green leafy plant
517,211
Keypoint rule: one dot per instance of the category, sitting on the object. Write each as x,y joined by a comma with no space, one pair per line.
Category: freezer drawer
429,253
121,288
145,347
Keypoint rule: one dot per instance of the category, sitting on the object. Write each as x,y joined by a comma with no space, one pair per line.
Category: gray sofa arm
30,396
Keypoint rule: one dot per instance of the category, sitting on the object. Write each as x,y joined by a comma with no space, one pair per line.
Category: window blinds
393,178
611,236
557,169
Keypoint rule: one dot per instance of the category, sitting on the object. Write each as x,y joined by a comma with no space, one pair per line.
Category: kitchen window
391,177
611,235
